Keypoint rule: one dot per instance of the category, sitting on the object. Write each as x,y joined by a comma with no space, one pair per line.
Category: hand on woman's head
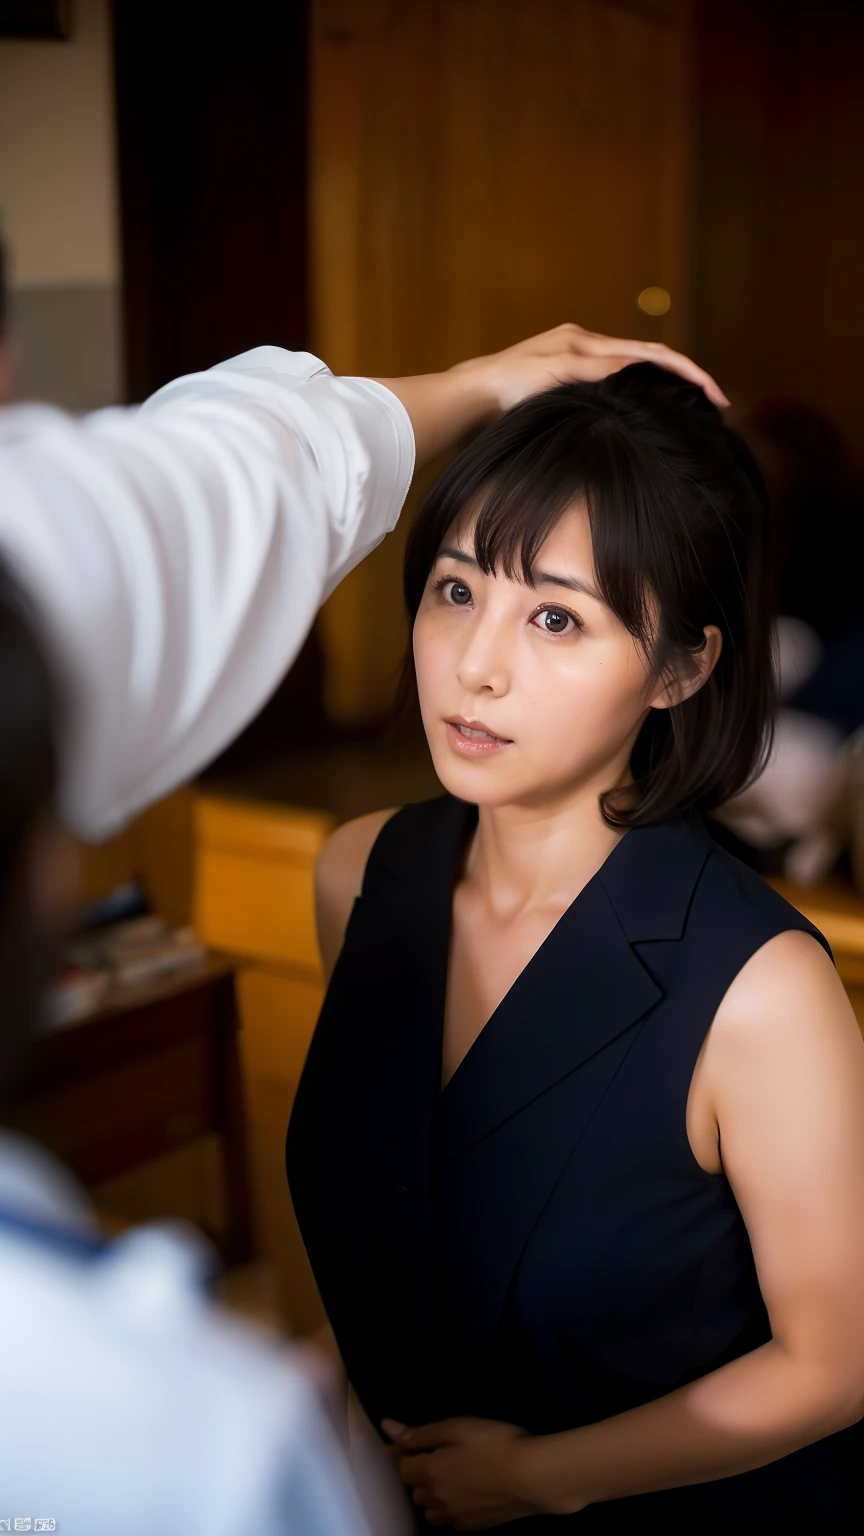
571,355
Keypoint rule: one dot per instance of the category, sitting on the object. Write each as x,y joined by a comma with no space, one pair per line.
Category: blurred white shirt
177,554
130,1403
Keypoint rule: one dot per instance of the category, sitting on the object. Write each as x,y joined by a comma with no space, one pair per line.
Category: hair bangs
512,524
584,463
514,499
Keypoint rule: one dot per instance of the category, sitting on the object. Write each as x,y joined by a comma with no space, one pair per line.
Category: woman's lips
474,740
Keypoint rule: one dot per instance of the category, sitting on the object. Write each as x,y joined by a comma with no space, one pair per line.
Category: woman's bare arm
338,879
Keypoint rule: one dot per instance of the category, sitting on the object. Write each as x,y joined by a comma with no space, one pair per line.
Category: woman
578,1151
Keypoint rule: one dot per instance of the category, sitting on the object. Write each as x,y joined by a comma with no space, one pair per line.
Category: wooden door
481,170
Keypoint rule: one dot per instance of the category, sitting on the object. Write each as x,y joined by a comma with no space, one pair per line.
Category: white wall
59,209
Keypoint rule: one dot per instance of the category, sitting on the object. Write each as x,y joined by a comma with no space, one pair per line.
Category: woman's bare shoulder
339,874
786,1015
791,979
342,861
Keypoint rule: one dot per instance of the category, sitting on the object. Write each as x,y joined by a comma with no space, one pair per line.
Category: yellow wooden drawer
254,892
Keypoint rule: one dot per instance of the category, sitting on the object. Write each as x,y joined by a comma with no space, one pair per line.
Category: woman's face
527,693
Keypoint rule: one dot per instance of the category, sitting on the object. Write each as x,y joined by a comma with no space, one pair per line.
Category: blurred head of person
590,593
34,860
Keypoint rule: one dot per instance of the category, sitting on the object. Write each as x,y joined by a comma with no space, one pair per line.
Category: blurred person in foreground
128,1403
163,567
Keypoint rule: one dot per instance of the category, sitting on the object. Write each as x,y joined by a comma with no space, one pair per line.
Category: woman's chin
479,781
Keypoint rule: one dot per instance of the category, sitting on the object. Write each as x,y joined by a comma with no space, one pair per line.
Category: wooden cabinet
254,880
132,1098
254,899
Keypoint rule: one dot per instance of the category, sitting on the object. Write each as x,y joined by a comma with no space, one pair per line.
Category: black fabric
537,1243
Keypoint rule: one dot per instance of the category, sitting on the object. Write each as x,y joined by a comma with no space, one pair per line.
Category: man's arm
176,555
445,406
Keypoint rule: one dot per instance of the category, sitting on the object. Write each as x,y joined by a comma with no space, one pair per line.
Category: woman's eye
457,592
555,621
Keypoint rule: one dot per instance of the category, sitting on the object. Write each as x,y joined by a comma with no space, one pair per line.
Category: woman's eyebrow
541,578
573,583
456,554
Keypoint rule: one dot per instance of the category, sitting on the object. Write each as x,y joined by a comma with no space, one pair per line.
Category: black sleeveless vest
537,1243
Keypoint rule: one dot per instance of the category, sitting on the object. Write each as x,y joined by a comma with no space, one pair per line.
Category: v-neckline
453,866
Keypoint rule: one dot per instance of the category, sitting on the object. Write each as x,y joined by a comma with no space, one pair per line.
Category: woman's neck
527,857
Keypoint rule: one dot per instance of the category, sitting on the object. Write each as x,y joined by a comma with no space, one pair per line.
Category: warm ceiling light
654,301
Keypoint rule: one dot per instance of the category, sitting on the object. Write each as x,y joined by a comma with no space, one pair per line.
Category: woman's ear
689,675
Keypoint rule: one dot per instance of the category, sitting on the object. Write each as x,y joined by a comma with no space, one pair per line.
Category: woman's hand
465,1473
443,407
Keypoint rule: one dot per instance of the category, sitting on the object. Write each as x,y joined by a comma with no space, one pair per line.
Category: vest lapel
515,1112
582,988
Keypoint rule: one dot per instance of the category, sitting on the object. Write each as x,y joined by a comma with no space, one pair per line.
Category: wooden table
153,1067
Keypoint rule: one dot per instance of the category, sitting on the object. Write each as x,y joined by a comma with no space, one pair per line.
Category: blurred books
108,953
76,993
136,950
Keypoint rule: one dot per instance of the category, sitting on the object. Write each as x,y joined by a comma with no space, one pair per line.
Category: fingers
676,362
425,1438
574,342
648,352
425,1499
414,1471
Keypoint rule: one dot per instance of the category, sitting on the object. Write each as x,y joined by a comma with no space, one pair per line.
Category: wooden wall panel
481,170
779,212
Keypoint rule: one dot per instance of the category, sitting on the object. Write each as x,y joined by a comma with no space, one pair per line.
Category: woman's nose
485,665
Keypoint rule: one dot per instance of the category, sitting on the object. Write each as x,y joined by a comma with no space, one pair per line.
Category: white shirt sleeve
177,554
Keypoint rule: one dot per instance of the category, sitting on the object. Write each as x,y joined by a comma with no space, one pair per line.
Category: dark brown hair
679,524
30,723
